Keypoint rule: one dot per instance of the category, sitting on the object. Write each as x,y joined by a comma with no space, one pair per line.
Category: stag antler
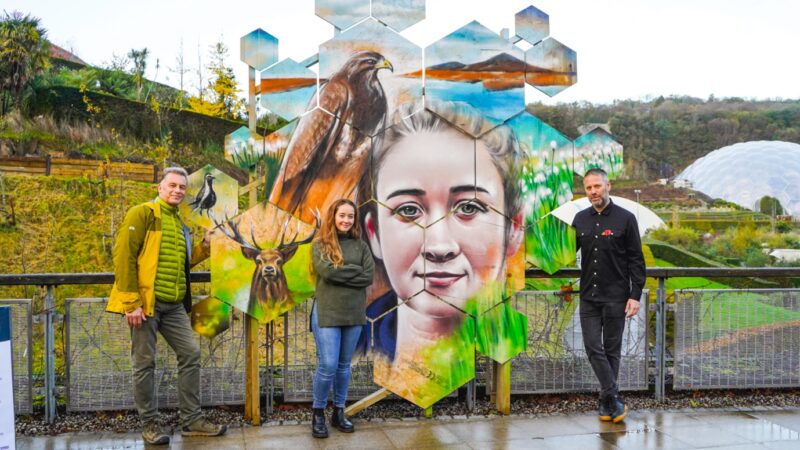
237,236
294,243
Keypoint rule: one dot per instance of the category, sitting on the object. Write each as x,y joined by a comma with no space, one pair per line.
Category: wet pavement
751,429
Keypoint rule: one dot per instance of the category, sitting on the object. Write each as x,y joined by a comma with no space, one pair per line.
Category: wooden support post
252,407
367,401
252,395
502,387
49,355
251,99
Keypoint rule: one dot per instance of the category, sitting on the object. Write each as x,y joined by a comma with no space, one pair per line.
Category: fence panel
556,360
99,373
301,361
737,338
21,353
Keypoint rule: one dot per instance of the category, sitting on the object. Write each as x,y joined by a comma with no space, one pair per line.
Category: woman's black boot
318,427
339,420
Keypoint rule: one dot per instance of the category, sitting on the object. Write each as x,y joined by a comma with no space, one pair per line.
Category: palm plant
24,54
139,58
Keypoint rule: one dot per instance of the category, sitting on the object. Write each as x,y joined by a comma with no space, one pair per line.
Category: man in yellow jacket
152,256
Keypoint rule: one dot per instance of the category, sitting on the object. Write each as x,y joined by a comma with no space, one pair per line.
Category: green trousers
171,320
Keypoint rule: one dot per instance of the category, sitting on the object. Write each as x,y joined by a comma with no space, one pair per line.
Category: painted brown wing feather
317,131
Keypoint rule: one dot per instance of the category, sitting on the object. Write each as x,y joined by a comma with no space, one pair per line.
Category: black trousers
602,324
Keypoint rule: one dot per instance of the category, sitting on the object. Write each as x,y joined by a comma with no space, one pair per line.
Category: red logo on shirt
608,232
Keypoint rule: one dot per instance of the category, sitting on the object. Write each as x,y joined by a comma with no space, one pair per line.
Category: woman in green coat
344,267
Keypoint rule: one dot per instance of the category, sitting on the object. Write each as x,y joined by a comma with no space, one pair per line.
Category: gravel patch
448,409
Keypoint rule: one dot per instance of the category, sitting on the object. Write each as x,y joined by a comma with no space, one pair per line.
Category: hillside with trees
664,135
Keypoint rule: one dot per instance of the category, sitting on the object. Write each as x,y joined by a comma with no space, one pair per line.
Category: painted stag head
268,286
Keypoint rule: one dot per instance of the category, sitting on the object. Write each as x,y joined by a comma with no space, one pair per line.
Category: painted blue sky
626,48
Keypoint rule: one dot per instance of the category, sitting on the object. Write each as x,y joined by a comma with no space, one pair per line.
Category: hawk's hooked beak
385,64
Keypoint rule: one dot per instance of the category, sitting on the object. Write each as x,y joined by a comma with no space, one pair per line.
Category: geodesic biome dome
743,173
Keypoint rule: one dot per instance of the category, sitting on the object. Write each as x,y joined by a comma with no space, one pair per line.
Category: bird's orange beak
385,64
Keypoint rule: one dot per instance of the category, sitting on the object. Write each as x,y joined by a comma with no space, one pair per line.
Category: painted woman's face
441,231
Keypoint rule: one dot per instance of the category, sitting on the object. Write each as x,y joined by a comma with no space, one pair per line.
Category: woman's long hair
328,234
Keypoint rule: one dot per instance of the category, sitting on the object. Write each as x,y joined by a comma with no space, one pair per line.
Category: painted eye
469,208
408,211
372,61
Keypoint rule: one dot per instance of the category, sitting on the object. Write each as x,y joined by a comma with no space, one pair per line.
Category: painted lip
441,279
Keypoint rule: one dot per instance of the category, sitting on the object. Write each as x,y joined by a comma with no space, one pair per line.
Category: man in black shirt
612,279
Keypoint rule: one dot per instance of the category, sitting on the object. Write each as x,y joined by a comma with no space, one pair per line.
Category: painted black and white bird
206,198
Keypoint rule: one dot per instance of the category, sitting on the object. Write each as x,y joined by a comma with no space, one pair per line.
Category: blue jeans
335,347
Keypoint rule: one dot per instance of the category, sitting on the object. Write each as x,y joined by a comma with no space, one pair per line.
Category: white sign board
7,433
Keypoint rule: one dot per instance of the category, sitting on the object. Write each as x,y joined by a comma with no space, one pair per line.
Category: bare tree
201,88
180,69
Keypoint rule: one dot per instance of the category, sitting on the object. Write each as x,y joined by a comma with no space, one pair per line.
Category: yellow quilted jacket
136,260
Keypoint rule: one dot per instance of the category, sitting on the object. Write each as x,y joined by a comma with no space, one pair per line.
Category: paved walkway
768,429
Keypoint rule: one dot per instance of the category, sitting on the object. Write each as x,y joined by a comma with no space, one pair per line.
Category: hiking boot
604,411
339,421
153,435
202,427
618,409
318,427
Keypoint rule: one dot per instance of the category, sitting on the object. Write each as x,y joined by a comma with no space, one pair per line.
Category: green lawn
723,312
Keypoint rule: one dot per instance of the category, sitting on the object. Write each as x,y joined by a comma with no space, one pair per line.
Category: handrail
56,279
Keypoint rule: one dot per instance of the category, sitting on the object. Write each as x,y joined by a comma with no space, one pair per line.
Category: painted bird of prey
327,152
206,198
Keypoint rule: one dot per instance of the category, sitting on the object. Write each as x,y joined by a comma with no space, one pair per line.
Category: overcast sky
626,48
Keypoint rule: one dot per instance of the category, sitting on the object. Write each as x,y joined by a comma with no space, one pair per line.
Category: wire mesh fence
298,360
99,371
556,360
21,353
737,338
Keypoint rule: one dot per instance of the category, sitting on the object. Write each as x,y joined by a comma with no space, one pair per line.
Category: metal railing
548,366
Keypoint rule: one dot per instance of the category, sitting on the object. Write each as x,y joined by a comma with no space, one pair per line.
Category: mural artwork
546,184
210,317
597,148
455,185
244,148
260,260
210,193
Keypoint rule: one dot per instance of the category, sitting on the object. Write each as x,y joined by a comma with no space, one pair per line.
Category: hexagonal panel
324,161
532,24
260,260
275,145
551,66
342,13
259,49
244,148
501,332
210,193
369,73
399,14
287,89
432,357
475,66
598,148
546,180
469,255
210,317
398,248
